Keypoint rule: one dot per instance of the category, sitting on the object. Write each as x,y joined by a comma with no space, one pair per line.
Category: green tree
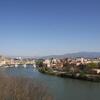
39,63
92,65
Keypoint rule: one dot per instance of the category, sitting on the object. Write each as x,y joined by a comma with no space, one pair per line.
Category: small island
76,68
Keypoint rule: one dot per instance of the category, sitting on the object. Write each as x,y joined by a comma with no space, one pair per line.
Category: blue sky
45,27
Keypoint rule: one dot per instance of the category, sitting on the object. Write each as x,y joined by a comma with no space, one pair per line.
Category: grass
16,88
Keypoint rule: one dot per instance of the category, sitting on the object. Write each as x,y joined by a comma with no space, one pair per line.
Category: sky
48,27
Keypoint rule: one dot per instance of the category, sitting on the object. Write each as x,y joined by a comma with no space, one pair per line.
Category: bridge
20,65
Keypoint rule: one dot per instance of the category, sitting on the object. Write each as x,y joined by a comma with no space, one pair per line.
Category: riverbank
59,88
79,76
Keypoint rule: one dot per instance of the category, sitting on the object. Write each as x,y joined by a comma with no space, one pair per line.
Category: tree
67,66
99,65
82,67
92,65
39,63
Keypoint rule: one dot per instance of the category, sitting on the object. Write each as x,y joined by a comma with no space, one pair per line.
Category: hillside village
74,65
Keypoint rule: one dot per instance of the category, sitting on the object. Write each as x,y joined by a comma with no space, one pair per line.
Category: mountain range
78,54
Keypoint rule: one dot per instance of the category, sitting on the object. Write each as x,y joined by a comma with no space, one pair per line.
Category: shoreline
78,76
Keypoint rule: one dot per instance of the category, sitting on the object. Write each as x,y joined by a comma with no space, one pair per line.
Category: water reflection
62,88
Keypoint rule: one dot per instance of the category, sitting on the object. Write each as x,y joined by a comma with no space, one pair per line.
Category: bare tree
15,88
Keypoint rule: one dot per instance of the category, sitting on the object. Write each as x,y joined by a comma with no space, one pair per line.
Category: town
78,67
16,62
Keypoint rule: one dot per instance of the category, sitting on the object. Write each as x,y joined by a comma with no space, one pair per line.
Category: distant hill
78,54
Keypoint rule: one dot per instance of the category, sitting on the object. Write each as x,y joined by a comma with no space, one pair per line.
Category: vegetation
99,65
92,65
87,71
39,63
82,74
46,70
15,88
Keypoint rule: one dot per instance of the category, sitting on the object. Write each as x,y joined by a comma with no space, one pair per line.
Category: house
97,71
47,62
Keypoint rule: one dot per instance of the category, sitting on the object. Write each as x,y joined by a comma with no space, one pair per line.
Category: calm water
62,88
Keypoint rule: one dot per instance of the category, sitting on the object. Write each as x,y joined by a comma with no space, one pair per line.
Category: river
61,88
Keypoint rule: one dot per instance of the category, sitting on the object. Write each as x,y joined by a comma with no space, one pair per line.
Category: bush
15,88
82,74
39,63
92,65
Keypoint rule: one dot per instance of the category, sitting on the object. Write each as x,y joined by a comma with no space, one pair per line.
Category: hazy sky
45,27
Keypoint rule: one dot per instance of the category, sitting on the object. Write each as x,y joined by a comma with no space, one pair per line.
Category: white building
47,62
2,63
